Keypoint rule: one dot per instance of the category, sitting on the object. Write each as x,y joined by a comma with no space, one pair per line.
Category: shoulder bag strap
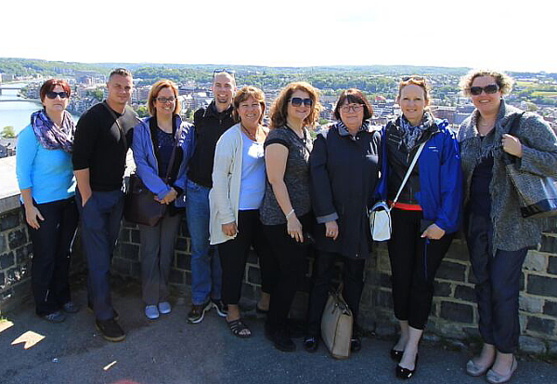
410,168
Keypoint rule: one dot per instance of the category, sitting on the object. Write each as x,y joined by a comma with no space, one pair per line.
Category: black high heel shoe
405,373
396,355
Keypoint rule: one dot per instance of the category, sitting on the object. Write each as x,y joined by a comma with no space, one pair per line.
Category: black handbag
537,194
140,204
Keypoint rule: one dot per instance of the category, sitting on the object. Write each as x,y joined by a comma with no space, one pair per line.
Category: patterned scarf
51,136
343,131
410,134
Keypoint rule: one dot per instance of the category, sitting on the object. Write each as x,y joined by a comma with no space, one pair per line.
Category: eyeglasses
52,95
489,89
353,107
165,100
224,70
298,101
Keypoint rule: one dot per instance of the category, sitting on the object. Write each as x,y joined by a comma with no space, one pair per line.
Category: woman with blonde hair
286,210
426,215
162,145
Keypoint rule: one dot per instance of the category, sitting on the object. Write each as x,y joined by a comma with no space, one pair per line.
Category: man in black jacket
210,123
102,139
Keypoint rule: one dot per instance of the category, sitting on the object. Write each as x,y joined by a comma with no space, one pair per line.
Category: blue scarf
49,135
410,134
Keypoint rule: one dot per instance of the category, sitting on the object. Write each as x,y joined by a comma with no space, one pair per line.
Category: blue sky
473,33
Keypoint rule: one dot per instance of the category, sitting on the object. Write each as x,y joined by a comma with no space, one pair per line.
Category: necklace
251,136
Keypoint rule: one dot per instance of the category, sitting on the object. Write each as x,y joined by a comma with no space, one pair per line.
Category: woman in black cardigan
344,171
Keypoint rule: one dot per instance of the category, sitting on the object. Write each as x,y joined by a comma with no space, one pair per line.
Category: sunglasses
489,89
416,78
298,101
165,100
224,70
52,95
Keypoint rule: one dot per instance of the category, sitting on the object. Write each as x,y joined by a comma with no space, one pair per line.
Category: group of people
282,192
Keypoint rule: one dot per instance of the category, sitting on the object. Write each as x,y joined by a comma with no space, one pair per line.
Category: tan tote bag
336,325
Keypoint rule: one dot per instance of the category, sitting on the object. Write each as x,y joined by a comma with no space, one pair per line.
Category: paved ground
169,350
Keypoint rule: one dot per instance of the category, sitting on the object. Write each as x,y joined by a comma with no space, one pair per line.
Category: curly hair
244,94
279,109
154,92
504,81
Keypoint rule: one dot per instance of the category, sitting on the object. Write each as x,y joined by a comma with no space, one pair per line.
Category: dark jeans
414,263
498,284
323,273
234,255
157,252
100,225
287,267
52,246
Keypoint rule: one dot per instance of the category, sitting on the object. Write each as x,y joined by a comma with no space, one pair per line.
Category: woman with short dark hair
45,176
344,171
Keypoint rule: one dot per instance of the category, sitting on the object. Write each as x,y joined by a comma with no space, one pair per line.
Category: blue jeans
206,271
100,225
497,286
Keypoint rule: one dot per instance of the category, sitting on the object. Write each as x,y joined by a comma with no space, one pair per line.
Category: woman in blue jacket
45,177
426,215
154,140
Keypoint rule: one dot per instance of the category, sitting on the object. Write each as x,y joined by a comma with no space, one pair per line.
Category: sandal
238,328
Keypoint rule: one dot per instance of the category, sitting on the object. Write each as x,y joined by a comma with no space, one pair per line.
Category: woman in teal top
45,177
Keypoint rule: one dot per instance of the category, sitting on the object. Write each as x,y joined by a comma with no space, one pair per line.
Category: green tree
97,94
8,132
142,111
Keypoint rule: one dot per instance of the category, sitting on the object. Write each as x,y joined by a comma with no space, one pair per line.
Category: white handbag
380,214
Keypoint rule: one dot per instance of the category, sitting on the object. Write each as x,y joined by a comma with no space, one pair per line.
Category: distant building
7,147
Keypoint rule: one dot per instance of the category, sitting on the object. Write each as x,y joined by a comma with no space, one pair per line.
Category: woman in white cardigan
237,193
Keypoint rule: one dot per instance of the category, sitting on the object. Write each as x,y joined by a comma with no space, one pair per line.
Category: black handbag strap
514,124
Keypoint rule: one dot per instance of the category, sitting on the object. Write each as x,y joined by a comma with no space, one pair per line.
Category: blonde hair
504,81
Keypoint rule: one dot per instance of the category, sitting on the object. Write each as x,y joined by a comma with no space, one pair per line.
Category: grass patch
544,94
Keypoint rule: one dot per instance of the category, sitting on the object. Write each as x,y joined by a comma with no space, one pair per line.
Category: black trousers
234,255
52,246
287,267
323,273
414,263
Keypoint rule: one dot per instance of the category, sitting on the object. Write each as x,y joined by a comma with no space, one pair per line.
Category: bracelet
290,214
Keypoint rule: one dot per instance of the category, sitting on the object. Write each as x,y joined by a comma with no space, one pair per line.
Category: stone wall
454,312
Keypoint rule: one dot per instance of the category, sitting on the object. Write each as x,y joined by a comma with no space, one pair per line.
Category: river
17,113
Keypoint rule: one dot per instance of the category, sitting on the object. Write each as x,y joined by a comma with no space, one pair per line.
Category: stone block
129,251
10,220
542,285
530,344
135,236
3,243
383,299
460,313
465,293
442,289
181,244
451,271
176,277
7,260
552,265
2,280
535,261
540,325
530,304
17,238
187,276
121,266
254,276
183,261
550,308
548,244
22,255
458,251
135,269
385,280
552,347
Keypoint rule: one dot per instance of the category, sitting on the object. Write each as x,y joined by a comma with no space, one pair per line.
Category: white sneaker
164,307
152,312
